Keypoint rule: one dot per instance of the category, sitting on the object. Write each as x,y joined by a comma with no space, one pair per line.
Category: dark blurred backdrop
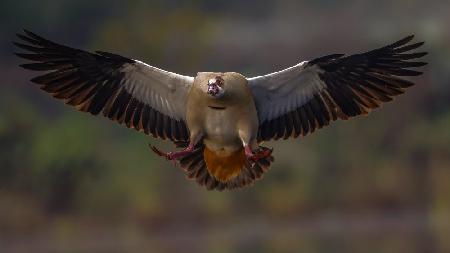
70,182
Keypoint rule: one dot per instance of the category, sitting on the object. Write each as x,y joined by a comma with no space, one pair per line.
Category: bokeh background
70,182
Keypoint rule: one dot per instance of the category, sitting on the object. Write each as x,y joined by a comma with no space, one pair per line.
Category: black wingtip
421,54
402,42
115,56
24,38
20,55
325,59
409,37
18,44
29,33
418,44
25,33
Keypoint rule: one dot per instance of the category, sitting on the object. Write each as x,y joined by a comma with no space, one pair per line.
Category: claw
158,152
172,156
260,154
169,156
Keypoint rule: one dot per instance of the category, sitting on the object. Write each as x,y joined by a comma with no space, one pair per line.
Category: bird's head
216,87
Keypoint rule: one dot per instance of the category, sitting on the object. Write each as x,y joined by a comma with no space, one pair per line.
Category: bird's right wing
310,95
125,90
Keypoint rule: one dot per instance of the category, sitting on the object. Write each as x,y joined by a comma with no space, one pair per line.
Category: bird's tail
231,172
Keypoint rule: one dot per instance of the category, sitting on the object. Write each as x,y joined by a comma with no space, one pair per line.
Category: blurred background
70,182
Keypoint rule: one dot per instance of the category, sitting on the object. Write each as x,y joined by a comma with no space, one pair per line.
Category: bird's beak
213,89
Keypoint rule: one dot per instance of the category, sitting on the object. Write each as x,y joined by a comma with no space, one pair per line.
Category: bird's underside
223,130
221,119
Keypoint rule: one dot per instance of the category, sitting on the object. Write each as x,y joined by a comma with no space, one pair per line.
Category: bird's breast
220,128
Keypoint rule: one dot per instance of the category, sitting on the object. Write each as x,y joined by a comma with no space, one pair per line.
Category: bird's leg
260,154
171,156
250,144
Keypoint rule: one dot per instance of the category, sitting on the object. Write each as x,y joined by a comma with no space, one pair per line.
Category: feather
109,83
333,86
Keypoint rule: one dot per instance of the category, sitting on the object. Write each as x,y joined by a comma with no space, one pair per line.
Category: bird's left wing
125,90
310,95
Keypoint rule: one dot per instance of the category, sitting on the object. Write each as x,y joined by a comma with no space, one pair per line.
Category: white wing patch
281,92
164,91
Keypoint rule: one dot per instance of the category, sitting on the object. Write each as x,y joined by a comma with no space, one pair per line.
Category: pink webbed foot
173,156
260,154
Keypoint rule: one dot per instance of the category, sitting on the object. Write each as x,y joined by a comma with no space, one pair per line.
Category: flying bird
220,120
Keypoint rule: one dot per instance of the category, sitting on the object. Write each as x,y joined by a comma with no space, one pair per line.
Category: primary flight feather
221,119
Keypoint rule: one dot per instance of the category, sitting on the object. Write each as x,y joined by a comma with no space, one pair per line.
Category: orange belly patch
224,167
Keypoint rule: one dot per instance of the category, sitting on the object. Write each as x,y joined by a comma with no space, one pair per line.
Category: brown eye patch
220,81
